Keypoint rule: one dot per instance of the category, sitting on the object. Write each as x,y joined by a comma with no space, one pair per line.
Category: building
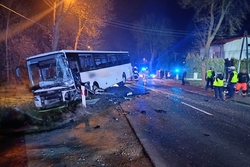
228,48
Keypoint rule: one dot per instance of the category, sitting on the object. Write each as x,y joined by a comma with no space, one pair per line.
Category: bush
242,65
193,64
194,61
217,64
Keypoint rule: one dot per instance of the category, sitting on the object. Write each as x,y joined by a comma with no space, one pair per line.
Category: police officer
232,80
218,86
210,77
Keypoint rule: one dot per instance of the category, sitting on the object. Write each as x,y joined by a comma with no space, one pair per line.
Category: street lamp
89,47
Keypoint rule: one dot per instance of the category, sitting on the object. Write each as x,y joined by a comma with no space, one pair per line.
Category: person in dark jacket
161,74
184,75
243,79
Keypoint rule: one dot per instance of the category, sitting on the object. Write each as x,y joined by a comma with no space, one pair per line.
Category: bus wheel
95,87
122,83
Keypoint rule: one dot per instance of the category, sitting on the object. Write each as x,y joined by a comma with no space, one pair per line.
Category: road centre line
197,109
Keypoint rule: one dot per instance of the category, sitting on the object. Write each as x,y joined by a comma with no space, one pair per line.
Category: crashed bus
56,77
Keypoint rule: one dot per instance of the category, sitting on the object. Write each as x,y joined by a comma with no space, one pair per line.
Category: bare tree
91,16
14,38
60,9
7,61
151,34
213,16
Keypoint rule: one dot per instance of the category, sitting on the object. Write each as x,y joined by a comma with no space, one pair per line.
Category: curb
200,93
154,156
233,100
149,149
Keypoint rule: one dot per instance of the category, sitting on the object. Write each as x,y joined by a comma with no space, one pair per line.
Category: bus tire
95,87
122,83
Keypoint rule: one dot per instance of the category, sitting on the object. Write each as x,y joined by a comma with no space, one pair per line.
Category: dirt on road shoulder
102,137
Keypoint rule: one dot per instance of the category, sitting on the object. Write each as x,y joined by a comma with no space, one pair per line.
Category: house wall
214,51
233,49
228,50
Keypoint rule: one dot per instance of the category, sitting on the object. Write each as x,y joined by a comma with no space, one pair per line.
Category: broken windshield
50,71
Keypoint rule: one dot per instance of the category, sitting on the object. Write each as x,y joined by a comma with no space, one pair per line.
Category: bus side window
86,63
73,61
112,60
119,59
115,59
125,58
100,61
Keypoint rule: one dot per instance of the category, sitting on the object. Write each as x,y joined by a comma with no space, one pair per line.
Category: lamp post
89,47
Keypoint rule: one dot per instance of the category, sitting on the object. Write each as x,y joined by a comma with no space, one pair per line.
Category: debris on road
161,111
129,94
97,126
128,98
92,101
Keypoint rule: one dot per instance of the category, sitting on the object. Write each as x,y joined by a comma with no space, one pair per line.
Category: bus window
73,62
86,62
35,74
100,61
112,61
119,59
126,58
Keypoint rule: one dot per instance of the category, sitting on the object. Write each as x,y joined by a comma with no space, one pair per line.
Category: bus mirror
18,70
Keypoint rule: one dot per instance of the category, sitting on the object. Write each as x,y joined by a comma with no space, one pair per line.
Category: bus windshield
49,71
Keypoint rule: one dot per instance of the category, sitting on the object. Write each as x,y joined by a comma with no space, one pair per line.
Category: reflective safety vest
235,77
209,73
218,82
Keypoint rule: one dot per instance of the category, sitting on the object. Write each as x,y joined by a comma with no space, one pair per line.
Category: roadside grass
17,103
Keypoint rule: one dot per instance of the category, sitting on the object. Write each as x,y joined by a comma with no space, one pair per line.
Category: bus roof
72,51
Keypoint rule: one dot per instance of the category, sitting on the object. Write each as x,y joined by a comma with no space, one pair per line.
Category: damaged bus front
51,80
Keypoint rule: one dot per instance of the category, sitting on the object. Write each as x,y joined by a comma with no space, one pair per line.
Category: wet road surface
187,129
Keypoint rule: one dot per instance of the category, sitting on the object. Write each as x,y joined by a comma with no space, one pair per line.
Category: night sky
129,11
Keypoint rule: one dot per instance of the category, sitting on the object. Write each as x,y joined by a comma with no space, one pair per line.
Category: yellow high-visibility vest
235,77
209,73
218,82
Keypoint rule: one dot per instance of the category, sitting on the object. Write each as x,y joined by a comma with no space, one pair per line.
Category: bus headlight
37,101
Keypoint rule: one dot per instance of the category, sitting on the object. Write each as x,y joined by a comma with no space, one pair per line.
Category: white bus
55,76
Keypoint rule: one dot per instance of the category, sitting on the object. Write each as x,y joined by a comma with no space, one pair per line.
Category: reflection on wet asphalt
192,130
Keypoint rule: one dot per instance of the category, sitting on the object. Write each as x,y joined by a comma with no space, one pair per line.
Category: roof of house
224,41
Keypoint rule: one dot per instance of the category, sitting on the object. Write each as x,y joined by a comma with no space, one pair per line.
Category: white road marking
197,109
178,96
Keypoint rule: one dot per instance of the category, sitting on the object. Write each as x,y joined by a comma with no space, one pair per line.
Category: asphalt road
179,128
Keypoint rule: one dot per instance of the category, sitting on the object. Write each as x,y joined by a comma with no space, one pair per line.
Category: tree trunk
55,36
76,41
151,62
7,48
80,29
203,73
205,58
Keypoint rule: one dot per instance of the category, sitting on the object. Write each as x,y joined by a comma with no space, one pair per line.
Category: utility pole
245,38
247,45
